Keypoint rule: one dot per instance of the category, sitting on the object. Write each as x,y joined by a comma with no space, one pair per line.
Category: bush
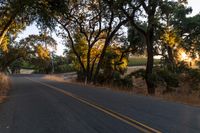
170,79
125,82
64,68
116,80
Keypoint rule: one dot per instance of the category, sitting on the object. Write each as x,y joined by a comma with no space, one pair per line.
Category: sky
60,48
195,6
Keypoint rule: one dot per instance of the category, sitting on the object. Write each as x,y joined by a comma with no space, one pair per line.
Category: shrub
64,68
125,82
116,80
168,78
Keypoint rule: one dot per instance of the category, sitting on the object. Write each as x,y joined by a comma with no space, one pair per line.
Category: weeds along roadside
5,84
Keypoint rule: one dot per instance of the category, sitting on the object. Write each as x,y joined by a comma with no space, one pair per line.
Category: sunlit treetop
42,52
170,37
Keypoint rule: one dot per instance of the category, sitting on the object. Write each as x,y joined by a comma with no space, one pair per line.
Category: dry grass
190,99
53,78
59,78
4,86
182,94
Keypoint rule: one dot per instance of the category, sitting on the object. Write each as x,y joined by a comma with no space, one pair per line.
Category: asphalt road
40,106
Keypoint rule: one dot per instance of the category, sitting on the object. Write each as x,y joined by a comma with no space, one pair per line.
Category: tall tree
94,20
146,10
173,16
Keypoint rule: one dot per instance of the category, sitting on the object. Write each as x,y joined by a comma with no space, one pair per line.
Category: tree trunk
5,29
88,78
150,60
107,43
100,62
170,57
92,67
73,48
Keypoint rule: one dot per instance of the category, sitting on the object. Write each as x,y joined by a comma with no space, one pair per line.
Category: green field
140,61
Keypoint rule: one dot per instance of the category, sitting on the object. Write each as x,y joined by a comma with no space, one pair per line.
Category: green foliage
116,80
63,68
170,37
61,64
169,78
125,83
165,78
16,65
114,61
40,65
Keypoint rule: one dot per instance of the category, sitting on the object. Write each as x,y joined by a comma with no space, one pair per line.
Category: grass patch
4,86
140,61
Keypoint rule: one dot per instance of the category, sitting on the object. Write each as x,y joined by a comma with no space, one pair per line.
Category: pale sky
195,4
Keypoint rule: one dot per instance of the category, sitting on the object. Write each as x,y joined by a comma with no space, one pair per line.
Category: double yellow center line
140,126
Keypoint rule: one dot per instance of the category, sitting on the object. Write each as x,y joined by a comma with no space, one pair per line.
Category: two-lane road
40,106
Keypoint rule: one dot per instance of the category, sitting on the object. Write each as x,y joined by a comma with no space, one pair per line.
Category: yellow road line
140,126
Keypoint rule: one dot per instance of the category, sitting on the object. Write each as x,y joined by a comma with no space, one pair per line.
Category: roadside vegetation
4,86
